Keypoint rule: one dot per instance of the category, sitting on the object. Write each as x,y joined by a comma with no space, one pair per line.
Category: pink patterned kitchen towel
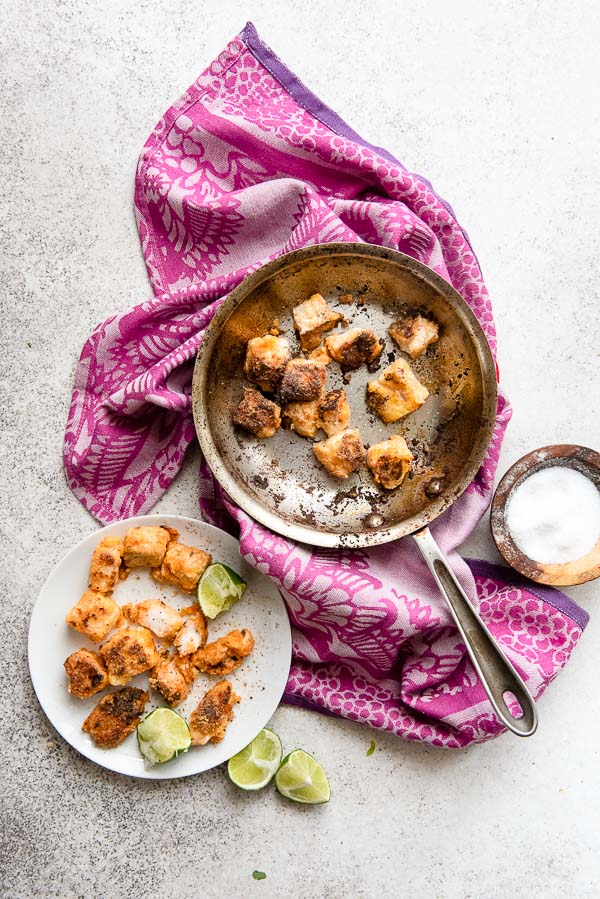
248,165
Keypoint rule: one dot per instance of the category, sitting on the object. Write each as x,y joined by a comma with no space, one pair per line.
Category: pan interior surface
278,481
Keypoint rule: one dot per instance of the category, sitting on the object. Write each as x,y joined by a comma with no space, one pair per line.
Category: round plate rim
155,772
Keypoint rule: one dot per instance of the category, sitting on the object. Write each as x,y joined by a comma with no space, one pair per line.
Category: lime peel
219,587
254,766
302,779
162,736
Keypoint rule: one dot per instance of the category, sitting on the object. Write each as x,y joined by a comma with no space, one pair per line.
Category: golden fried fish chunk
145,546
303,380
334,412
303,418
182,566
312,318
105,567
354,348
86,673
193,634
209,720
341,454
389,461
169,679
320,355
266,358
396,392
225,654
115,717
256,414
157,616
129,652
94,615
414,334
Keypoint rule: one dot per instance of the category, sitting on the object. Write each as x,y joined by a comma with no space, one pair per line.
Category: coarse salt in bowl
545,515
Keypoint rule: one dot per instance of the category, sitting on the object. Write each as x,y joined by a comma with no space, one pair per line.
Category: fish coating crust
225,654
354,348
256,414
145,546
115,717
341,454
389,461
312,318
130,651
210,718
303,380
106,565
86,673
94,615
414,334
266,358
396,392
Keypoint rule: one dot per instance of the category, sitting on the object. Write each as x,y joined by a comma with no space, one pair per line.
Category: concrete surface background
498,106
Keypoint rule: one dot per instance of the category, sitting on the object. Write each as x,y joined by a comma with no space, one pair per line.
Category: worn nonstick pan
280,483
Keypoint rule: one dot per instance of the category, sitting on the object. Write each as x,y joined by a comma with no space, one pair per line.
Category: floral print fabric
248,165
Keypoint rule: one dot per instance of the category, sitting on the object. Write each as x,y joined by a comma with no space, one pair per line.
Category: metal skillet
279,482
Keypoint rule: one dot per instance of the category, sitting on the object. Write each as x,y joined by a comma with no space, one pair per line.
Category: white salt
554,515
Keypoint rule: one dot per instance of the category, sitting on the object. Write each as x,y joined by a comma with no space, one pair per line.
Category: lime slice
302,779
162,736
220,586
254,766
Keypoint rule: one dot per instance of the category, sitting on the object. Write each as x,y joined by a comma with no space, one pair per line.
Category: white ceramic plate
259,681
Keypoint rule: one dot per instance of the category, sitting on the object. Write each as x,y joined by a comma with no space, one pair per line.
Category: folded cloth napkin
248,165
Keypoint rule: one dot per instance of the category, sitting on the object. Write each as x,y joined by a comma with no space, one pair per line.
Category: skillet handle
496,673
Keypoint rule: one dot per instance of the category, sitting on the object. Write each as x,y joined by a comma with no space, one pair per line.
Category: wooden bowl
582,459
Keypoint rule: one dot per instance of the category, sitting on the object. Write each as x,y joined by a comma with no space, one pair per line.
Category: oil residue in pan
281,473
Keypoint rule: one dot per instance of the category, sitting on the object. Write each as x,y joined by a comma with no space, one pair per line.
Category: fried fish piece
145,546
106,565
86,673
334,412
128,652
225,654
303,418
396,392
172,679
266,358
193,634
312,318
389,461
209,720
157,616
341,454
182,566
320,355
414,334
257,414
115,717
303,380
94,615
354,348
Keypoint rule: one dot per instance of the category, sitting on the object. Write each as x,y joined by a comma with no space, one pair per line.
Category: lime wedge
301,779
254,766
162,736
220,586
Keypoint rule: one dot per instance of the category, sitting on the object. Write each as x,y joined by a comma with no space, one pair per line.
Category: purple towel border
304,97
551,595
556,598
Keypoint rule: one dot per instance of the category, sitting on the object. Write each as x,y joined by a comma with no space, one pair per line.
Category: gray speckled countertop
499,108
